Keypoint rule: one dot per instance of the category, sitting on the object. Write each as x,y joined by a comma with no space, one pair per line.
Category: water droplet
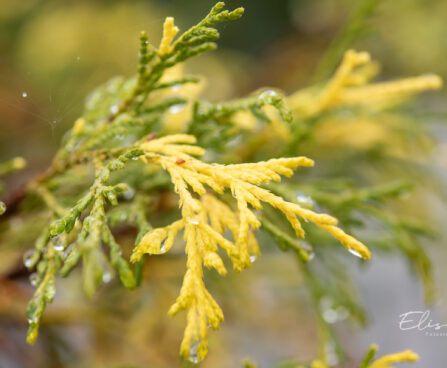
129,194
50,291
342,313
162,247
34,278
193,357
308,248
269,92
354,252
332,359
59,247
208,323
305,199
33,320
331,354
330,315
175,109
194,221
106,277
27,258
175,87
24,94
114,109
253,258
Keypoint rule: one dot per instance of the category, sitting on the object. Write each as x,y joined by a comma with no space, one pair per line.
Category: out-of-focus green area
53,53
56,52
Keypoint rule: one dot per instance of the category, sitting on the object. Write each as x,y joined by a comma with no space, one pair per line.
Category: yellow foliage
176,118
318,364
360,133
387,360
169,32
79,126
18,163
384,362
349,86
205,218
367,132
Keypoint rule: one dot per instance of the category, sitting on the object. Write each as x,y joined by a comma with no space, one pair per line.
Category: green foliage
115,115
370,354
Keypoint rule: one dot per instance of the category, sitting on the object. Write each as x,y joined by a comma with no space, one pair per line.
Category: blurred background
53,53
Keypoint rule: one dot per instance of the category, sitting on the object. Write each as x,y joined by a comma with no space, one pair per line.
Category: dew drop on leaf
58,247
129,194
175,109
33,320
271,92
106,277
304,199
354,252
27,257
330,315
309,250
50,292
331,354
193,356
34,278
342,313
